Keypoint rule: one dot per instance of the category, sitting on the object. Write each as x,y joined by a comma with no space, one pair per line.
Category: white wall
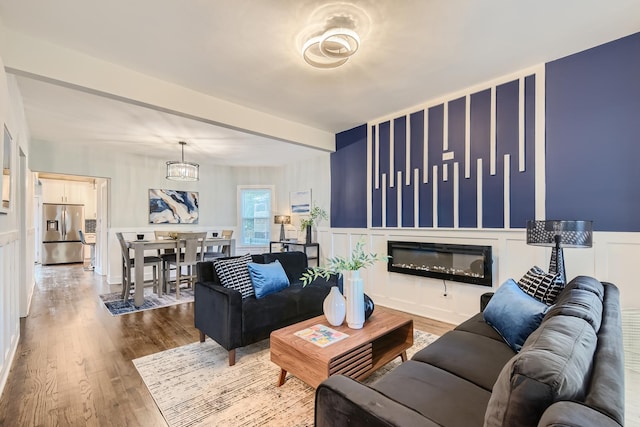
16,229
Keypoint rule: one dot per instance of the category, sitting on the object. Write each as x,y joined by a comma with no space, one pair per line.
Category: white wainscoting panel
613,258
9,303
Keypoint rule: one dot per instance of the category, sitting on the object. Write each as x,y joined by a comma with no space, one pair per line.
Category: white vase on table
334,307
354,293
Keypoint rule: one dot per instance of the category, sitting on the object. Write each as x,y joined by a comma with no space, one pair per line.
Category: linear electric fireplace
460,263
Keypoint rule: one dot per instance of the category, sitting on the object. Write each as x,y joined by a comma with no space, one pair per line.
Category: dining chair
190,249
223,250
128,264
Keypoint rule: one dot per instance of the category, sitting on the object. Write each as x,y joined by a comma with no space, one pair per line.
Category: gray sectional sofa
569,372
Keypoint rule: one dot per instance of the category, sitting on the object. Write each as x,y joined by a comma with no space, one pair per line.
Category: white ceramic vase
334,307
354,293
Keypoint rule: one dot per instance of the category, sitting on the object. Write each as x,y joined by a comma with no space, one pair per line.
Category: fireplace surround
459,263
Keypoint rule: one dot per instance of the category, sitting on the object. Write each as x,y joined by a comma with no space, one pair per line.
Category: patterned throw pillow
234,274
544,287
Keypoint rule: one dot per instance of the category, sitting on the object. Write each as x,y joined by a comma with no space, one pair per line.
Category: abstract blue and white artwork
173,207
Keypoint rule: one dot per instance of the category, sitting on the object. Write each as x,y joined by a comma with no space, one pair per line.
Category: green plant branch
337,265
316,215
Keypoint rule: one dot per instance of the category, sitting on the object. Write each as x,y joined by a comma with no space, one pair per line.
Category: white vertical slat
507,191
456,195
407,164
435,196
479,191
384,199
369,174
425,148
376,155
399,199
392,145
445,172
445,128
467,137
416,197
492,140
540,145
521,148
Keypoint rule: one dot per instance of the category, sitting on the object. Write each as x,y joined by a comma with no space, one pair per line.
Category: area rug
193,385
116,306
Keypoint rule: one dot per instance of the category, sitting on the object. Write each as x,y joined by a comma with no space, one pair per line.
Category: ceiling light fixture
332,48
183,171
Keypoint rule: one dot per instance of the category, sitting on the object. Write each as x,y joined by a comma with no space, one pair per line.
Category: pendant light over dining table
181,170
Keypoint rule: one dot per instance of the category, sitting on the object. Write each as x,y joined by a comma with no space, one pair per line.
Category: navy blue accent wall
522,195
592,118
593,136
349,165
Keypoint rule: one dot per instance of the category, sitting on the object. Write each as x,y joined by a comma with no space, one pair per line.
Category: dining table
140,246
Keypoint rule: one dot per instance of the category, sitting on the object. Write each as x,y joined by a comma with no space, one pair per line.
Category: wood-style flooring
73,364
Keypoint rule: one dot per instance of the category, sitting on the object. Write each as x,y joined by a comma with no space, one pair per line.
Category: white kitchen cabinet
71,192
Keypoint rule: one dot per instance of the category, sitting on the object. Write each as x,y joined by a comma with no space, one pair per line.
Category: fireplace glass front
460,263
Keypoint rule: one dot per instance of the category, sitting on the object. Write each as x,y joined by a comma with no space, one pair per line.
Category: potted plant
315,216
354,293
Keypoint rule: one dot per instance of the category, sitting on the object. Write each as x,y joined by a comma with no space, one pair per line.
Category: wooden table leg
283,375
403,356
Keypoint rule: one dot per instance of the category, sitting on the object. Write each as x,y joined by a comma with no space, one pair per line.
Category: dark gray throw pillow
234,274
545,287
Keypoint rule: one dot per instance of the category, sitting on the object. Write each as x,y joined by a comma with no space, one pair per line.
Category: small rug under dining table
193,385
117,306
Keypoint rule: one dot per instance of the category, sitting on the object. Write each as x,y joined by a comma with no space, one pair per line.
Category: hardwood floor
73,363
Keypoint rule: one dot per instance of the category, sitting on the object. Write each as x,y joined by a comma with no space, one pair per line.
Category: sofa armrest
342,401
218,313
574,414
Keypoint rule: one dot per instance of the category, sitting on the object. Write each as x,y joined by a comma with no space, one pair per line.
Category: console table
302,247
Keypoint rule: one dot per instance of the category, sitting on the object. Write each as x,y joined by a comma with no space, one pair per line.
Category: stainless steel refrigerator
61,242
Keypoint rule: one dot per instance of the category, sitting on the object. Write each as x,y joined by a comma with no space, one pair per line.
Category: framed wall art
173,207
300,202
6,156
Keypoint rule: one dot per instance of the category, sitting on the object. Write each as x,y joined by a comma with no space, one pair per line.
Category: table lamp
559,234
282,220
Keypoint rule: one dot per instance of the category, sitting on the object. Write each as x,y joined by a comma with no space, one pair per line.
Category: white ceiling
248,52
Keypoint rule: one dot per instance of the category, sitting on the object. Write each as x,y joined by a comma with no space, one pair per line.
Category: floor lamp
559,234
282,220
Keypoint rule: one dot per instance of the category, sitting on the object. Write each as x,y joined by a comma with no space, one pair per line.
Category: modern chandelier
183,171
332,48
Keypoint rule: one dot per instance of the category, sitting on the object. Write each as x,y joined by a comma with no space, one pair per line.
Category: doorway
74,190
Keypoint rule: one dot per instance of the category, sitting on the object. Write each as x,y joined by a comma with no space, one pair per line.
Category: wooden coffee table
384,337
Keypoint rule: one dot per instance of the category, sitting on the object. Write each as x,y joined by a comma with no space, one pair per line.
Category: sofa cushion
473,357
234,274
588,284
428,390
309,298
267,313
294,263
514,314
554,364
579,303
545,287
477,325
267,278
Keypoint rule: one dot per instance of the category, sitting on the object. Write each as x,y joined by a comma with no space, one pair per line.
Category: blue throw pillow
514,314
267,278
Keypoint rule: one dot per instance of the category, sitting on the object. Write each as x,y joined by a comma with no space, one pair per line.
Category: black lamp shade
568,234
